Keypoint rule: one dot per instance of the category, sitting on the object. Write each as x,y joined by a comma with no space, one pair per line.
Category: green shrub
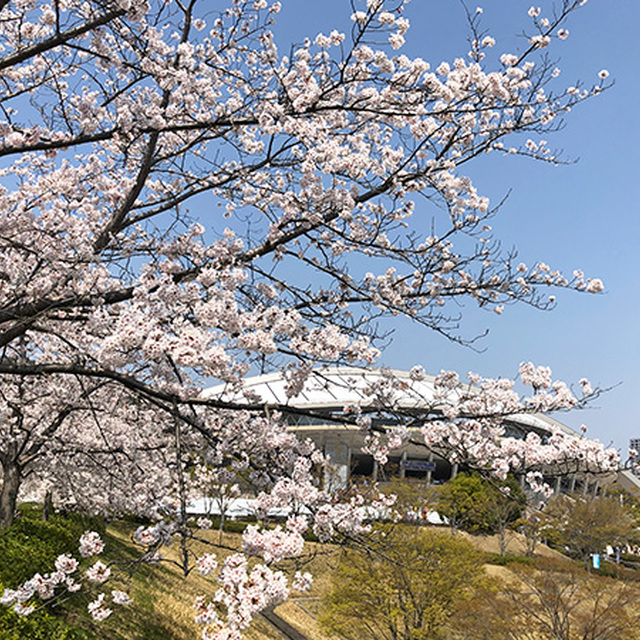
31,545
608,569
231,526
630,557
474,504
234,526
508,558
37,626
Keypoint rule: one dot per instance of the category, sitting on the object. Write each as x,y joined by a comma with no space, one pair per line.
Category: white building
329,390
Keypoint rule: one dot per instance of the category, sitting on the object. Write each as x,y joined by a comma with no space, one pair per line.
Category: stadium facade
318,412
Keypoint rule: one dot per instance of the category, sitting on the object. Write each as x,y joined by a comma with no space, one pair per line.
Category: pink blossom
595,285
204,523
302,581
207,563
120,597
66,564
99,572
90,544
23,610
98,610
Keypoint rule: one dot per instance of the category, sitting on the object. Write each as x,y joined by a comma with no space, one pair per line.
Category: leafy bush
408,578
31,545
630,557
509,558
475,504
38,626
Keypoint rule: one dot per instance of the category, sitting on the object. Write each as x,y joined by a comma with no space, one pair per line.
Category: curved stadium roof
330,389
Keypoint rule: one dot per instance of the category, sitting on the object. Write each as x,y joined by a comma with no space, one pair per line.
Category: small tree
408,592
629,501
475,504
411,497
218,487
532,526
553,601
506,503
586,526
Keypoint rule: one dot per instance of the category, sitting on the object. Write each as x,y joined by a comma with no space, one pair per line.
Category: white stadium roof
333,388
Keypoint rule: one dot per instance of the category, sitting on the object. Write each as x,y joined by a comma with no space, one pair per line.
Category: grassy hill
162,596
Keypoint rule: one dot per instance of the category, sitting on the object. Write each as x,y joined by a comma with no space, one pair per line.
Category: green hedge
37,626
31,546
508,558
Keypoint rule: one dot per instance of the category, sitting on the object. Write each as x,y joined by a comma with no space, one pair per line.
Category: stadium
318,412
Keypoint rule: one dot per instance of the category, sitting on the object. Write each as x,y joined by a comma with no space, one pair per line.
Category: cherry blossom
66,563
50,586
188,200
99,572
98,610
207,563
121,597
90,544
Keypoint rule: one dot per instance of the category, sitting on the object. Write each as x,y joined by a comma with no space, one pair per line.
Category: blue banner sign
418,465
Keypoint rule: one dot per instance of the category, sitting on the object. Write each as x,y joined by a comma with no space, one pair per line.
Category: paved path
282,625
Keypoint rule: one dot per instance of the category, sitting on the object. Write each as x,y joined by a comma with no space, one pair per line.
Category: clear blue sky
580,216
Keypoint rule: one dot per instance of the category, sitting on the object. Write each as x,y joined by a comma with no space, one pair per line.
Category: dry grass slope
163,598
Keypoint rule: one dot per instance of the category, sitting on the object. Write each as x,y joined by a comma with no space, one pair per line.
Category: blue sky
579,216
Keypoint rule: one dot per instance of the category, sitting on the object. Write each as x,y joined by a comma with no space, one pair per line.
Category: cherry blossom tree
217,487
183,203
67,436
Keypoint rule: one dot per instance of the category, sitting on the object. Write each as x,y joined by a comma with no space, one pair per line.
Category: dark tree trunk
9,494
502,534
47,506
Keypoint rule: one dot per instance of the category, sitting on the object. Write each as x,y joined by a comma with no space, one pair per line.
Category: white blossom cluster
315,164
52,585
